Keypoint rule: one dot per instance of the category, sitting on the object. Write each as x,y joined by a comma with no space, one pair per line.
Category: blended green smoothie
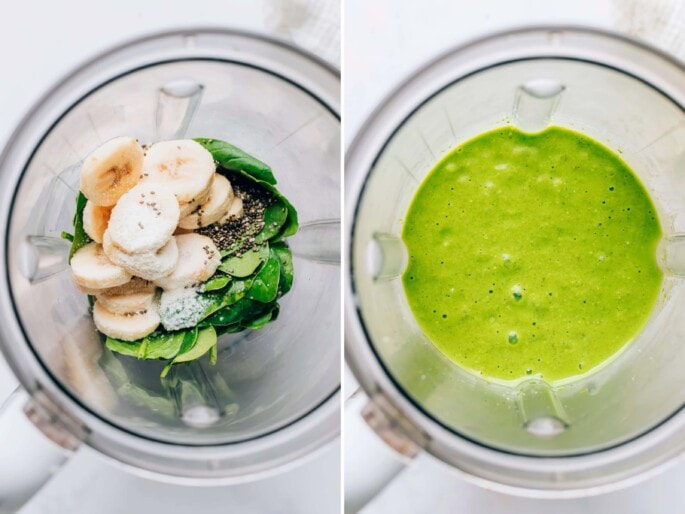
531,254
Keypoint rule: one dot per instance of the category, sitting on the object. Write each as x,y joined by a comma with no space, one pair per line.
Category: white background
39,42
384,41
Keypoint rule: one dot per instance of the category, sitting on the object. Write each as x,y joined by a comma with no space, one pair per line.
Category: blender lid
312,83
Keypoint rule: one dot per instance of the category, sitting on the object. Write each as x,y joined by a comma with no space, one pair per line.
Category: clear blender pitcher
601,429
273,396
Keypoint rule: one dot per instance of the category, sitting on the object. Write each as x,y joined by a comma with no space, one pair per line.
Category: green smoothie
531,254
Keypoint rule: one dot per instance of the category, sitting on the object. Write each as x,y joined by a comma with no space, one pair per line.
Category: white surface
39,43
87,485
27,458
370,465
385,41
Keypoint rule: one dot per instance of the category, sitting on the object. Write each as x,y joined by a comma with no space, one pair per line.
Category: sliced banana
234,211
136,296
92,269
111,170
148,265
95,220
198,259
184,166
190,207
88,290
180,231
214,208
126,327
144,219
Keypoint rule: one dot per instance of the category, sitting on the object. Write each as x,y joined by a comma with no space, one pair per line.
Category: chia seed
238,234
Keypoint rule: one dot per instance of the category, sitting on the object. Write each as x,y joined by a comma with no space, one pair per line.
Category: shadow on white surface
428,486
87,485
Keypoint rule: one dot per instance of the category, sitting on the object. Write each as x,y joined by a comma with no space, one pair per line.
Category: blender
598,431
273,396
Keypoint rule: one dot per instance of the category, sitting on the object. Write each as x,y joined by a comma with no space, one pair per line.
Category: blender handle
27,458
370,464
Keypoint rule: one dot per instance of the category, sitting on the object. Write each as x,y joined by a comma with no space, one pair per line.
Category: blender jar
273,395
585,434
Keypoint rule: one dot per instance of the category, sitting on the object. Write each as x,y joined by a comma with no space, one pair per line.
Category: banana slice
126,327
93,270
214,208
95,220
198,259
234,211
147,265
136,296
192,206
185,166
144,219
111,170
88,290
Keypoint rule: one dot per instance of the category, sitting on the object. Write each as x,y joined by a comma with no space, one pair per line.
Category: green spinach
241,295
265,286
275,215
216,283
80,238
232,159
281,252
247,263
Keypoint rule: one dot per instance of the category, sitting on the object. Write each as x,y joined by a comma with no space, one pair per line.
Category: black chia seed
237,234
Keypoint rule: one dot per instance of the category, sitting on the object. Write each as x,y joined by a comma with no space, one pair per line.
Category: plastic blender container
602,429
273,396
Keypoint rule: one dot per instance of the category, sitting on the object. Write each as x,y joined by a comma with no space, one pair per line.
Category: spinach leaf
214,353
130,348
131,393
80,238
189,339
234,159
194,343
262,320
216,283
237,291
164,345
265,286
281,252
238,312
219,300
141,397
229,160
115,371
142,349
229,329
291,224
247,263
206,339
275,215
